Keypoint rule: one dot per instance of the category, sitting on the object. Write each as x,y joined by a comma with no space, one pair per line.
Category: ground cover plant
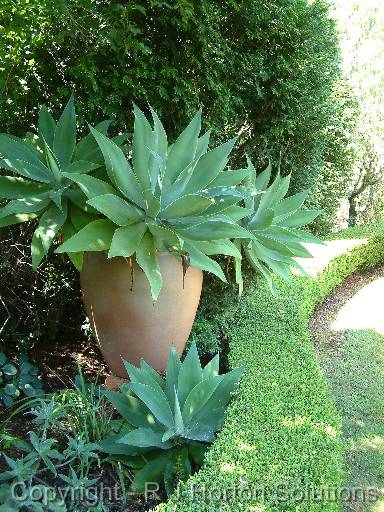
76,440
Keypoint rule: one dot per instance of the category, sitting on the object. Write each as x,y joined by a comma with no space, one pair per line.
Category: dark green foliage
283,427
27,296
18,381
267,69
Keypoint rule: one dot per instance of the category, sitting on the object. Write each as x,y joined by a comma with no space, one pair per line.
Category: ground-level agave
177,198
274,222
169,422
40,185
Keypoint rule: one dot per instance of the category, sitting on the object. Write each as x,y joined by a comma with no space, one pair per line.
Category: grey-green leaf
95,236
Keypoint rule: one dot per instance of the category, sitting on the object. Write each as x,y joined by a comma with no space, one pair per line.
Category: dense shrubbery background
269,70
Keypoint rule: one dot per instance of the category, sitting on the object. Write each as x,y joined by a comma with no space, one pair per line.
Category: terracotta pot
123,316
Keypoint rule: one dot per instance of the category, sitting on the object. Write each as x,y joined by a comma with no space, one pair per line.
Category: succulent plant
170,422
40,185
274,223
177,198
18,380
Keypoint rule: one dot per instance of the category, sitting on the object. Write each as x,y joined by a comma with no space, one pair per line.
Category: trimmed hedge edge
281,446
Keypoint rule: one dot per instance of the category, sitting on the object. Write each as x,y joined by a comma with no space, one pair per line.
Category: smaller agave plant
274,221
41,184
169,423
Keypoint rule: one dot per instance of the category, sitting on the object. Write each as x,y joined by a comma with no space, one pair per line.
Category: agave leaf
47,126
165,238
53,162
64,141
190,374
281,269
209,167
147,260
151,373
283,234
12,187
50,224
212,368
279,247
155,400
76,258
238,271
95,236
191,204
88,149
215,229
179,423
81,167
258,266
27,205
301,218
112,445
283,188
118,168
221,395
221,205
142,144
17,218
199,396
298,250
202,144
230,178
126,240
183,151
133,410
79,217
203,428
116,209
218,247
200,260
27,169
151,472
152,204
262,219
13,148
90,186
160,136
137,375
237,213
172,375
289,205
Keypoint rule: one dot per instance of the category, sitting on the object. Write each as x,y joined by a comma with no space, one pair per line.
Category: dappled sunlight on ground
365,310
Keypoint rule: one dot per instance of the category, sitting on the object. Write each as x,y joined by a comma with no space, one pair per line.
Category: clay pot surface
126,321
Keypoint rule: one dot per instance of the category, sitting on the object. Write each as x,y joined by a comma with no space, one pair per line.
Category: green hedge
282,433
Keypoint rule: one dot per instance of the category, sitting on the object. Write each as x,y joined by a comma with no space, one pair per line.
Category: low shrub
281,438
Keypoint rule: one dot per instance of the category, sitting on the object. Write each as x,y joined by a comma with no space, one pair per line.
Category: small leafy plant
60,452
19,380
171,421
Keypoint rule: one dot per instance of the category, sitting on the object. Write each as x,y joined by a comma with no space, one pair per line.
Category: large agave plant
274,223
177,198
169,422
40,185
